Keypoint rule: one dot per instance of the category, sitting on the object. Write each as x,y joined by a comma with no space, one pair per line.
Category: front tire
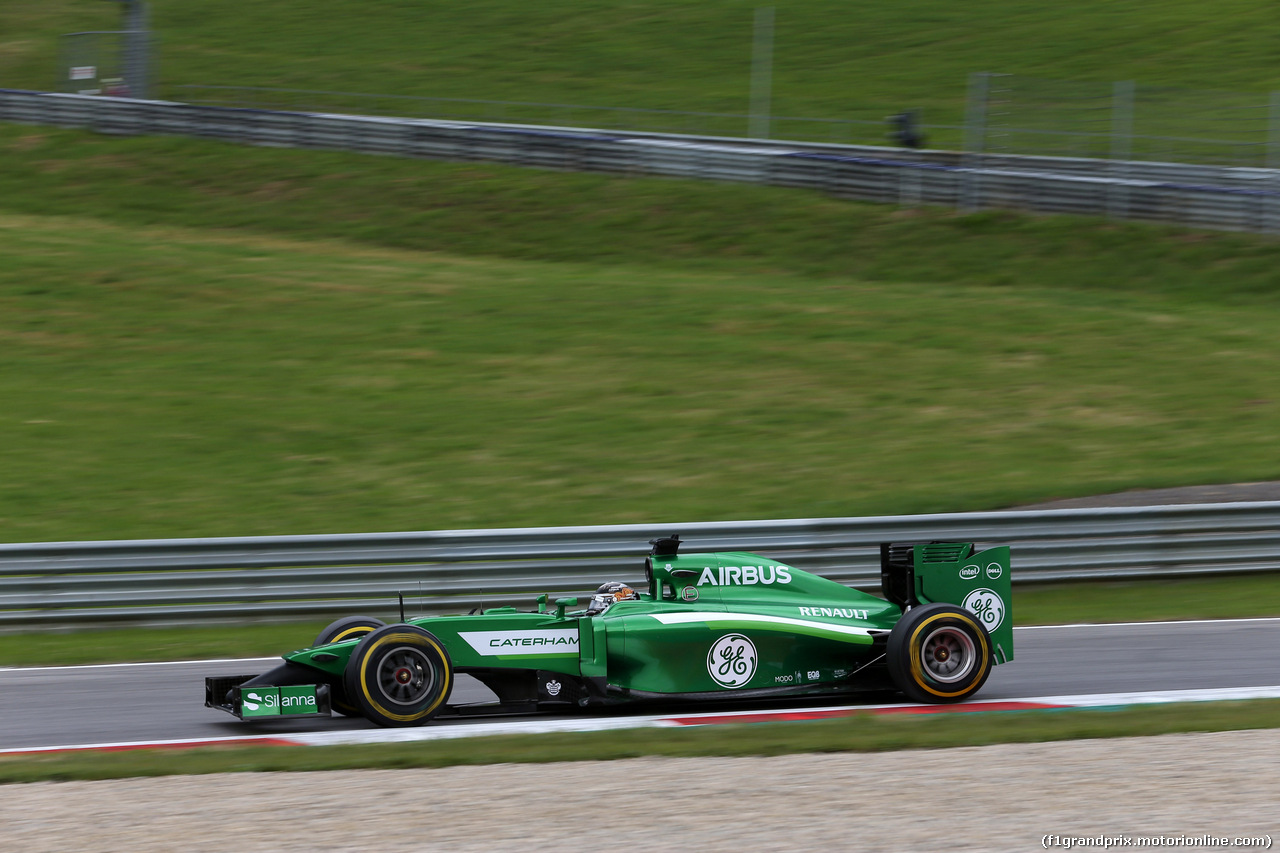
939,653
346,628
399,675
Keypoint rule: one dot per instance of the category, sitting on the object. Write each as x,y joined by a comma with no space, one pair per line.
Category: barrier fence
1004,113
184,580
1239,198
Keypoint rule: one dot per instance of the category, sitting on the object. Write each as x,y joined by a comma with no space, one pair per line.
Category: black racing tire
939,653
399,675
346,628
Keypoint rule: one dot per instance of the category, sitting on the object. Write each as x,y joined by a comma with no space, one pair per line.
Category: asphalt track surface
123,703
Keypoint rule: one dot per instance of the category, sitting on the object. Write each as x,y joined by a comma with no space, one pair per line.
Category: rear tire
939,653
399,675
346,628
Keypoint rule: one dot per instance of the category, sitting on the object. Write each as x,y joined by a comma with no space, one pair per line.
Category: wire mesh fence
1047,118
865,131
1125,121
115,63
1192,126
93,63
1017,115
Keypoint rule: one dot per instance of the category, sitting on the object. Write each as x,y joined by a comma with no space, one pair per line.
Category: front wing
256,702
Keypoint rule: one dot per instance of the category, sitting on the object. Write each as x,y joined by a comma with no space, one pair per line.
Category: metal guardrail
61,583
1196,195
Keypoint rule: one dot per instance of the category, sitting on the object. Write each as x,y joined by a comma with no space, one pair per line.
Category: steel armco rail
63,583
1210,196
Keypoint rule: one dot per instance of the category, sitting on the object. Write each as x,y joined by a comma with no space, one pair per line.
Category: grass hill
831,59
206,339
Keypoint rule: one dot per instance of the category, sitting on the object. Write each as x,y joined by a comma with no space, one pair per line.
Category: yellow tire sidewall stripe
411,639
355,631
917,666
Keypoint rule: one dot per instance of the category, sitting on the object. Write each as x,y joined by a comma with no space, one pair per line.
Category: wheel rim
406,676
948,655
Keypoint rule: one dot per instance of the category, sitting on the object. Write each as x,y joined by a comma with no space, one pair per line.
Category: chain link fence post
761,73
137,49
1271,219
1121,148
975,134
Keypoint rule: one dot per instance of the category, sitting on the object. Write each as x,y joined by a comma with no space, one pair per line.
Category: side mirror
562,603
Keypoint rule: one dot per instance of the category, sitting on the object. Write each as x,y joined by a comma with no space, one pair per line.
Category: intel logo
968,573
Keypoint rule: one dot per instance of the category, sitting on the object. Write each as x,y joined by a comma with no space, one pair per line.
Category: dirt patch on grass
1228,493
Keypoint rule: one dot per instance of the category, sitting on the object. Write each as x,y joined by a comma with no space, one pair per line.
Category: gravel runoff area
1004,797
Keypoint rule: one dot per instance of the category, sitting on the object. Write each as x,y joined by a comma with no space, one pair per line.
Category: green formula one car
708,627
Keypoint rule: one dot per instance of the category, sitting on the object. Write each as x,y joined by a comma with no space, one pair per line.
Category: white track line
198,741
1140,624
687,720
137,664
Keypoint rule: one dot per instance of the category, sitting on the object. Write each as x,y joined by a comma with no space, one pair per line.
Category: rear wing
914,573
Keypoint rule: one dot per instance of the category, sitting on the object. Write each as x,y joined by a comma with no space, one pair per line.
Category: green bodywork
714,623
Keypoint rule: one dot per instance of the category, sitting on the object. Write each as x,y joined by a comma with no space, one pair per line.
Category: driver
608,594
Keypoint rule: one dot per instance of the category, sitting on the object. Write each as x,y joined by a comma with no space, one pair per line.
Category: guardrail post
910,179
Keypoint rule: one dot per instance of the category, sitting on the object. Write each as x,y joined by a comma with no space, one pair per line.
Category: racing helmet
610,593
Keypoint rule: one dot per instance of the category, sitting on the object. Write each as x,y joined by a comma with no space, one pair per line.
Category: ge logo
732,661
987,606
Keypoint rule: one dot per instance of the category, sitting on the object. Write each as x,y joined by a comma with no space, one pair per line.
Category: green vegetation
862,733
203,339
1228,597
190,642
1053,604
831,59
490,210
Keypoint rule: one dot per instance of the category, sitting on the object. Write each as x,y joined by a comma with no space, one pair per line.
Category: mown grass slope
208,339
831,59
205,339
